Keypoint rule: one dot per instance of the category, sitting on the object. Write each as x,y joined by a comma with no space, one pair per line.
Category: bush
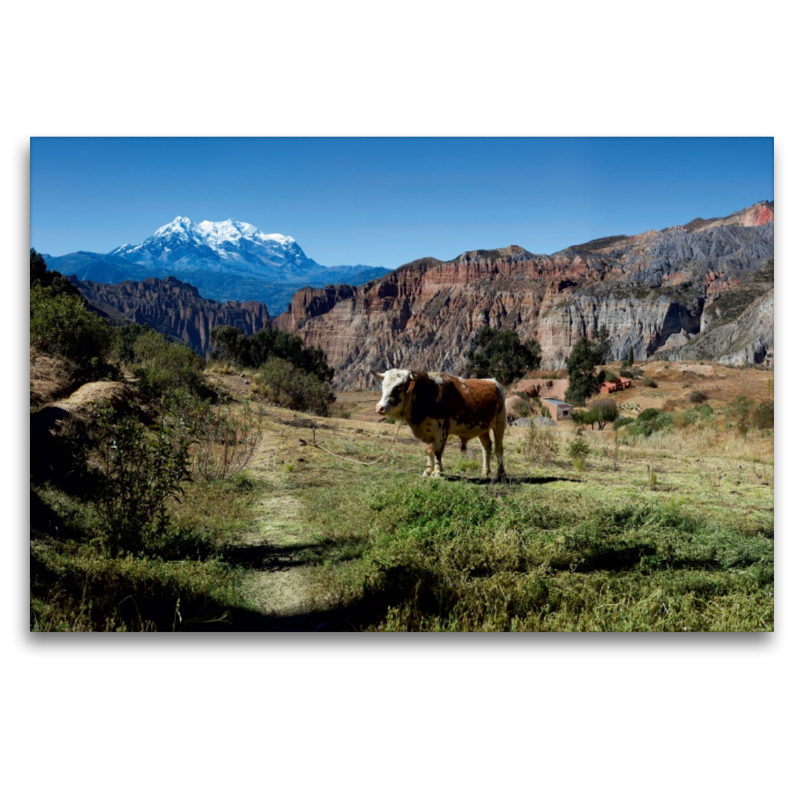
578,451
125,338
164,368
62,326
621,422
649,382
764,417
142,468
745,414
697,396
741,411
541,444
287,386
650,421
225,440
501,355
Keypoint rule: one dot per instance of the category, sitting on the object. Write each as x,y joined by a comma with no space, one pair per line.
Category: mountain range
702,290
228,260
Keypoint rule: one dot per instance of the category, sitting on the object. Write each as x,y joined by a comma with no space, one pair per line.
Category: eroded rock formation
174,308
650,291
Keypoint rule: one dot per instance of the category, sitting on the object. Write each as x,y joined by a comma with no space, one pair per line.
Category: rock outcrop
650,291
174,308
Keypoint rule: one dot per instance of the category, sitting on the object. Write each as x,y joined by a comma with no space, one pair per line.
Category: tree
603,411
38,268
501,355
585,356
231,344
629,359
50,279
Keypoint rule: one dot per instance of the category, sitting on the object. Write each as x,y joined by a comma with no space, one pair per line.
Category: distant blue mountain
228,260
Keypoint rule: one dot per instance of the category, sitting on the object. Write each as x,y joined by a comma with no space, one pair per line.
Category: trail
276,580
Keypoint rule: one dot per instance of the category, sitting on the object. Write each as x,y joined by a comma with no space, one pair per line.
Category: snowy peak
227,246
232,231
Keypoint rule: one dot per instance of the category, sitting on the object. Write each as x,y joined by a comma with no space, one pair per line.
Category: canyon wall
649,291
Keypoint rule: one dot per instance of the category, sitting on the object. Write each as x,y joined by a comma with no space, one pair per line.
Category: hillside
655,292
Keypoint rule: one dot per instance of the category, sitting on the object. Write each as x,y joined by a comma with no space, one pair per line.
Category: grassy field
667,532
671,532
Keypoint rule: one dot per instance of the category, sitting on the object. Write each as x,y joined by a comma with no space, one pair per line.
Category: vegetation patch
453,556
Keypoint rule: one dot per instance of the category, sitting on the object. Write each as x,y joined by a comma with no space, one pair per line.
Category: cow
436,405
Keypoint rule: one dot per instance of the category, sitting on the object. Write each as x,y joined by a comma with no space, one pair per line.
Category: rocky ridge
174,308
650,291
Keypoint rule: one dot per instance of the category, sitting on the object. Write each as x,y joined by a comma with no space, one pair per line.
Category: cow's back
468,404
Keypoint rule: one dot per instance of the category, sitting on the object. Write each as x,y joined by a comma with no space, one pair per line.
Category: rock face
650,291
174,308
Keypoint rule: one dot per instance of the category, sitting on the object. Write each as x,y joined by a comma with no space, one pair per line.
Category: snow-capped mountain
231,246
228,260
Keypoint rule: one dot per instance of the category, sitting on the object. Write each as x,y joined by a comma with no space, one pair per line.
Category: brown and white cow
436,406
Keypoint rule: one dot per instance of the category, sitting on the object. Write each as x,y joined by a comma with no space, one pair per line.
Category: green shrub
164,368
141,469
287,386
125,337
620,422
649,382
578,451
62,326
650,421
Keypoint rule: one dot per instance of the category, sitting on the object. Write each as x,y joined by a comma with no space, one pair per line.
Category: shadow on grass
509,481
271,558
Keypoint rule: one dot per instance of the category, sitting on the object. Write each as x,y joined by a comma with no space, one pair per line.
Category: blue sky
387,201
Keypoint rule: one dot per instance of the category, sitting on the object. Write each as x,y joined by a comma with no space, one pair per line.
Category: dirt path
274,552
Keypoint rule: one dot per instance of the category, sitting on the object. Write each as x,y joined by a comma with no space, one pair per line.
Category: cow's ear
377,374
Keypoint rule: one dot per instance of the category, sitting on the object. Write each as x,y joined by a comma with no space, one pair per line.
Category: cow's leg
428,471
439,441
499,432
486,446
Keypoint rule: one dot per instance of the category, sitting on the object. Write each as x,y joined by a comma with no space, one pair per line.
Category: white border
614,716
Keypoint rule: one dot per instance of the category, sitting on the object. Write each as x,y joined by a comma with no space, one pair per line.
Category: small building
617,385
557,409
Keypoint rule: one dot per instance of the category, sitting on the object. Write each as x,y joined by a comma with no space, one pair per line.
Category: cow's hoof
426,473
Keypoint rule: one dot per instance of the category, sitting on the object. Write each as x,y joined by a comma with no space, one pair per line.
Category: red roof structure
616,385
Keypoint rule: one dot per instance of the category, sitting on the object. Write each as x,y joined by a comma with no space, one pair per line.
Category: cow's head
397,383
